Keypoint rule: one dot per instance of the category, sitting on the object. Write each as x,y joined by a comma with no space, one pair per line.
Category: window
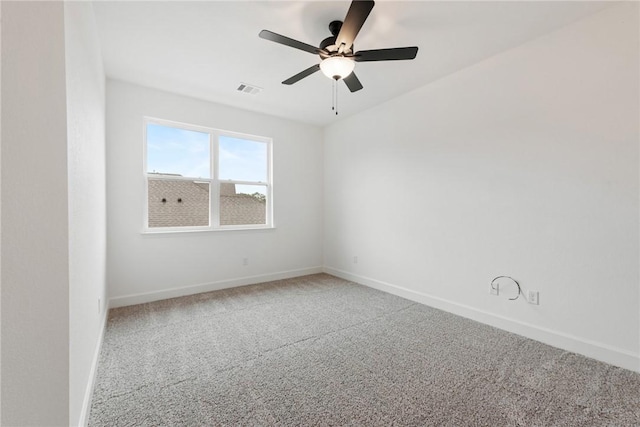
205,179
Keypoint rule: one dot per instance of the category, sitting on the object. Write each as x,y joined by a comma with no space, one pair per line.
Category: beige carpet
318,350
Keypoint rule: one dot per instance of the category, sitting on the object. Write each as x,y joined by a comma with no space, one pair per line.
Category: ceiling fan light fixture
337,67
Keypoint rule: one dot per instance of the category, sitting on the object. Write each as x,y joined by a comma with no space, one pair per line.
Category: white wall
0,218
35,275
153,266
87,201
525,164
53,211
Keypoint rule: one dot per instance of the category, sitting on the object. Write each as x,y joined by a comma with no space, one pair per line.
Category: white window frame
214,181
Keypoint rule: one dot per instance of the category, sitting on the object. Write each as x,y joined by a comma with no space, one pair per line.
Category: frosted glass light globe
337,67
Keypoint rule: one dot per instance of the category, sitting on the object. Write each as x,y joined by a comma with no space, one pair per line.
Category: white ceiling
206,49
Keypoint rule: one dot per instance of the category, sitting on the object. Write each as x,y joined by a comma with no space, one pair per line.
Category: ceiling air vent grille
250,89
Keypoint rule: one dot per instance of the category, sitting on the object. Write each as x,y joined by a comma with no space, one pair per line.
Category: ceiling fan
337,52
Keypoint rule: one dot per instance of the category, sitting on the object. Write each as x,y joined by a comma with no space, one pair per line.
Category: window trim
213,180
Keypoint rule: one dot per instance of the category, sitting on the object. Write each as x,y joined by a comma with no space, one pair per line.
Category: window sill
208,230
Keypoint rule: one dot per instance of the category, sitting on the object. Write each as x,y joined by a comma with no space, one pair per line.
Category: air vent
250,89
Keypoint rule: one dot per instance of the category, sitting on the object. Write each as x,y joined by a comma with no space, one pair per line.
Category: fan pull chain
335,96
336,85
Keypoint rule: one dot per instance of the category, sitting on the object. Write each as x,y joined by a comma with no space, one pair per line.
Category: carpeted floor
318,350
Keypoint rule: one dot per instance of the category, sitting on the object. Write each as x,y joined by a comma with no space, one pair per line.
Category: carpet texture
318,350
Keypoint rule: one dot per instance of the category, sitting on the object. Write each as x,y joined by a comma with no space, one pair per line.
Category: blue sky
242,160
177,151
186,152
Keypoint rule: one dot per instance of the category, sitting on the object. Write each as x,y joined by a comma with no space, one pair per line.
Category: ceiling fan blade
357,14
269,35
394,54
301,75
352,82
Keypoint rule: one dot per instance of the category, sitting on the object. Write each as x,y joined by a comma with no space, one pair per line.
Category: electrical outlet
533,297
245,261
355,259
494,288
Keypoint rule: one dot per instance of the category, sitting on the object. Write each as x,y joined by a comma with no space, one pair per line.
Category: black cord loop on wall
514,281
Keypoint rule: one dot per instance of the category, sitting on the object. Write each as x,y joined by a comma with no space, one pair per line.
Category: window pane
177,151
178,203
242,204
242,159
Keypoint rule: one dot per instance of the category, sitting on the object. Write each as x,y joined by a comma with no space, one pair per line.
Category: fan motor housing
329,44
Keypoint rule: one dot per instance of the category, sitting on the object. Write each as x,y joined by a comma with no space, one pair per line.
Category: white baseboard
594,350
88,394
142,298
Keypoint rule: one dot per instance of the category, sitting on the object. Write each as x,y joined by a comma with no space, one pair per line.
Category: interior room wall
0,217
143,267
525,164
85,82
34,245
